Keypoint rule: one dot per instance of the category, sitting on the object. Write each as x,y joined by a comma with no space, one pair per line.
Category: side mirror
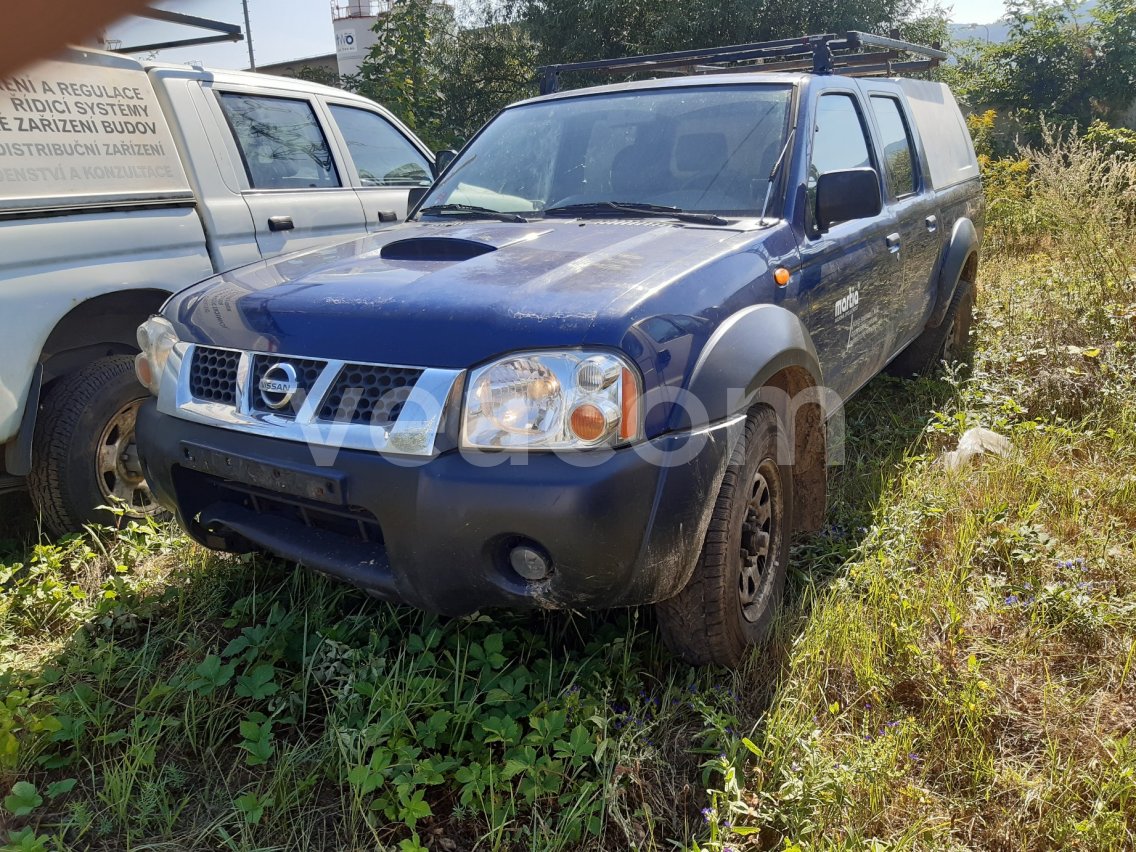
416,194
846,196
442,159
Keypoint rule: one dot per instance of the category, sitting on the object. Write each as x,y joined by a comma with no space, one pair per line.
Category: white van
123,182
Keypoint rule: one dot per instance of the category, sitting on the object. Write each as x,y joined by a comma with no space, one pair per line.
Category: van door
851,274
384,164
916,209
296,190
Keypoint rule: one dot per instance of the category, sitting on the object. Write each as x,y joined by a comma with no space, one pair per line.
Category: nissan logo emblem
278,385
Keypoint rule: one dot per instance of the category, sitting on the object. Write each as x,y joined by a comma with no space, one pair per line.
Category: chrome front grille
368,393
384,407
213,374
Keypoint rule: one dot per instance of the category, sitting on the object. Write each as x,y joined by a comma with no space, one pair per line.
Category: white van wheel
83,453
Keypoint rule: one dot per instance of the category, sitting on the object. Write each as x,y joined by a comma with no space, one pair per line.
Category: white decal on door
846,307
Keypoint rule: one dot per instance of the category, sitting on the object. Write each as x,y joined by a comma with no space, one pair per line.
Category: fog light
529,562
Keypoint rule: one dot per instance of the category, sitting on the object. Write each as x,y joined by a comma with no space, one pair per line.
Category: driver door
851,276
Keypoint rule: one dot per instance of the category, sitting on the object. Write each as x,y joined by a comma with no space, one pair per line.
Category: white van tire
83,452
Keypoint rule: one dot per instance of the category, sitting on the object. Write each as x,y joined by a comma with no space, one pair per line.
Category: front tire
83,453
735,591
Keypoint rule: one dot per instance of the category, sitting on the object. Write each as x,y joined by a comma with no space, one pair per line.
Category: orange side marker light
629,423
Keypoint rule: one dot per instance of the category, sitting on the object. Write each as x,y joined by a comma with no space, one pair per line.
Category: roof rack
826,53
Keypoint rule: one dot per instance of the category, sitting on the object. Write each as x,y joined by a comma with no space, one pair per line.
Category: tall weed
1059,341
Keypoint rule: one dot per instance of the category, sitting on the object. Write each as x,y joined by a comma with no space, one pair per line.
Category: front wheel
735,591
83,454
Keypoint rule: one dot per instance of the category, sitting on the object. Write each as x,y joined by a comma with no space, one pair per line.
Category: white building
354,35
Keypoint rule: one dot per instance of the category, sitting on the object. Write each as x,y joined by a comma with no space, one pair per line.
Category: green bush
1118,142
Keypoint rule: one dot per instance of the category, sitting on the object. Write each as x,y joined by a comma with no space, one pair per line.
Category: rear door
851,274
384,164
295,184
915,207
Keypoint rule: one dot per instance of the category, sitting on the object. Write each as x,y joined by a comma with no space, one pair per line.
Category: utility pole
248,35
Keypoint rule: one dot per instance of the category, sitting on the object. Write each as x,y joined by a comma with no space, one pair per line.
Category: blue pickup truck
596,366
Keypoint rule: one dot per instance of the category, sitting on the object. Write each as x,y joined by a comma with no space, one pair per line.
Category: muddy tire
83,452
949,341
735,592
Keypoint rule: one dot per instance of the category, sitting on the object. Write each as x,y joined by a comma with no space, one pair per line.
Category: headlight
552,401
156,339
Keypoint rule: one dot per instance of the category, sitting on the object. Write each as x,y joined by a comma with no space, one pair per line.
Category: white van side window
281,142
382,155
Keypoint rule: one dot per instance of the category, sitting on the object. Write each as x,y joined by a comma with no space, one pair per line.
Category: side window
382,155
281,142
899,149
839,143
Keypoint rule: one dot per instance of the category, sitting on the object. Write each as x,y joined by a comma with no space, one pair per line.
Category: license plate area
319,486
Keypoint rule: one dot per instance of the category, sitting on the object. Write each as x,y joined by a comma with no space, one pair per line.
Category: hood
449,294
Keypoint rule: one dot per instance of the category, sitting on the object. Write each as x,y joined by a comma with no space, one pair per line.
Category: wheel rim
760,539
119,470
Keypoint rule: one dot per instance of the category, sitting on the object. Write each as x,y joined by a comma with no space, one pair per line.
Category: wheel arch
960,259
103,325
765,355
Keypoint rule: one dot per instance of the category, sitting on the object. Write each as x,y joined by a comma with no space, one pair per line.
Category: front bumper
436,533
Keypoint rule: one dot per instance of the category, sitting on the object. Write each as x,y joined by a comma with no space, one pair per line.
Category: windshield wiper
773,174
634,208
473,210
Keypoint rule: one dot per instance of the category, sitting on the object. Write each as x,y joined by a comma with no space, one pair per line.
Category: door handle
932,224
280,223
893,242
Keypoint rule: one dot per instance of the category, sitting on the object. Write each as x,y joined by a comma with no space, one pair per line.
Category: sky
292,29
977,11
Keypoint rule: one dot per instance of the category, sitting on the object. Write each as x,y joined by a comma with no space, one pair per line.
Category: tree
445,71
587,29
1117,45
403,70
491,64
1056,67
323,76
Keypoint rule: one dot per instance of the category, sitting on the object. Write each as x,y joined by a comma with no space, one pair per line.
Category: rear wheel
84,454
949,341
733,595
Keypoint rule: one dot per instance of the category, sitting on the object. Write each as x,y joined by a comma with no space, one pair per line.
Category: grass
954,668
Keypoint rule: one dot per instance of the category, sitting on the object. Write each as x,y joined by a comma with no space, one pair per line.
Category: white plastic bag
976,442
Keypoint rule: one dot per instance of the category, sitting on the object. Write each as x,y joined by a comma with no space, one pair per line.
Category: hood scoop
435,248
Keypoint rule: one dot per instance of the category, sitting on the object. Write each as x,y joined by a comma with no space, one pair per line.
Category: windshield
703,148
